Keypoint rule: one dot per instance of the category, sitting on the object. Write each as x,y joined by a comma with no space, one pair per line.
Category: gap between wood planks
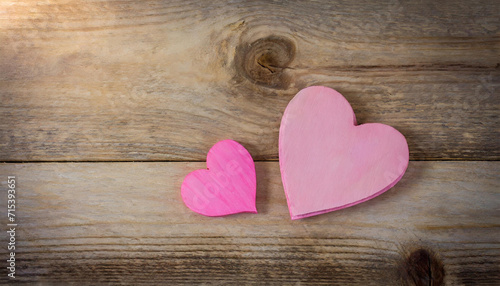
200,161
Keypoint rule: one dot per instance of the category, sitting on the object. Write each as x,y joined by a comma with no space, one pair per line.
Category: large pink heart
227,186
328,162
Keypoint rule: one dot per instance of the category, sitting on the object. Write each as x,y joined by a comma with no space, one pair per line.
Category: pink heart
328,162
228,185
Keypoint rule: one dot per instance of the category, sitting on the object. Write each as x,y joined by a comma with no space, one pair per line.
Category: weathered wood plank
126,223
448,115
164,80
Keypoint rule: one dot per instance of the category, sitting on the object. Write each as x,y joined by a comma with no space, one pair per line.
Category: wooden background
107,105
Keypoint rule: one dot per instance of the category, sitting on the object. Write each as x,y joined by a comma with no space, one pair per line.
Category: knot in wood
423,268
265,60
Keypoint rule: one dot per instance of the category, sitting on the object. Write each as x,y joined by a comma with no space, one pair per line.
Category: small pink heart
328,162
228,186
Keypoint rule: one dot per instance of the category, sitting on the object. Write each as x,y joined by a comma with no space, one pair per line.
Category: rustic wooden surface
125,222
150,81
164,80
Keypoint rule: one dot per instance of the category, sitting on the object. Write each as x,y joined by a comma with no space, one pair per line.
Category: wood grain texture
165,80
91,223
